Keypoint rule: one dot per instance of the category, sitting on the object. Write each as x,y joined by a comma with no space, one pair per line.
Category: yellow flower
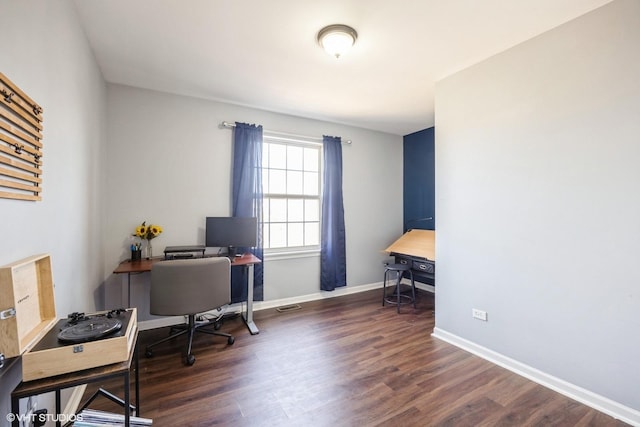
147,232
141,231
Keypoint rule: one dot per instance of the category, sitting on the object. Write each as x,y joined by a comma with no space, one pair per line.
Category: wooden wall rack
20,144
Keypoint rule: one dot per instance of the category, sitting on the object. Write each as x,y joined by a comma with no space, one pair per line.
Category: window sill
291,255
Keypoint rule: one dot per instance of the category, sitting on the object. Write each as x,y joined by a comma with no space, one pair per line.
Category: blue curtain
333,258
247,201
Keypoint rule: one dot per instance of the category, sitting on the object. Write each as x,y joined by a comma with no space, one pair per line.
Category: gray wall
537,172
45,53
169,163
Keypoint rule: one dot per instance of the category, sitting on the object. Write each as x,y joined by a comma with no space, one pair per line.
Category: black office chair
190,287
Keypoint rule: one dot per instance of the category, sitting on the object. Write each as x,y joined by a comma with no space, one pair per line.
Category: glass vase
149,250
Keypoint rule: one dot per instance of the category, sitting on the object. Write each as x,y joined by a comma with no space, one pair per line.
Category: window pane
278,235
291,186
312,233
311,156
277,181
295,212
294,157
311,210
266,209
311,184
294,182
278,210
277,156
296,236
265,154
265,235
265,181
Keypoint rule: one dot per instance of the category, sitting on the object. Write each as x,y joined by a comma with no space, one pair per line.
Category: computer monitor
231,233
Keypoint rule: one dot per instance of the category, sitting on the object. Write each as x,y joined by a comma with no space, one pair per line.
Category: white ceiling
264,54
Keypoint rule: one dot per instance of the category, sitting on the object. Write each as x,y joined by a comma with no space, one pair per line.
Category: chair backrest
190,286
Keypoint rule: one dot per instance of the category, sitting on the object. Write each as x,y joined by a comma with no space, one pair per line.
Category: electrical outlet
479,314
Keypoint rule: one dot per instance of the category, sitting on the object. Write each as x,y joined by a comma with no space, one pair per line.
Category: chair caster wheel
217,325
148,353
231,340
191,359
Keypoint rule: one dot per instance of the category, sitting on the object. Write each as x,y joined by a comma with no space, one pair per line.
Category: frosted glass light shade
337,39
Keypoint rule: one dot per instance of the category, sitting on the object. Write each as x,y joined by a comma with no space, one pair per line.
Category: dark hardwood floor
344,361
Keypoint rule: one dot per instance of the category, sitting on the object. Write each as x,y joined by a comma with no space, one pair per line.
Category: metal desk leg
248,316
15,410
128,290
58,407
137,376
127,401
122,291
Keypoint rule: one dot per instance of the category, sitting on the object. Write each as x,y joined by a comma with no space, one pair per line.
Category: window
291,191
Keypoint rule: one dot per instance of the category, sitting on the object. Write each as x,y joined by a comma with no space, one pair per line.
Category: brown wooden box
27,315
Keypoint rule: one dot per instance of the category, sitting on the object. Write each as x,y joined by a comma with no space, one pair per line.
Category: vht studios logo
43,418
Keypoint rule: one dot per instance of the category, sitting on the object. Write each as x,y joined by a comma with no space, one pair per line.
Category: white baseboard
160,322
600,403
344,290
265,305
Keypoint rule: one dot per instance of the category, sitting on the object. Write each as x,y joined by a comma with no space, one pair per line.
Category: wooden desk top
144,265
419,243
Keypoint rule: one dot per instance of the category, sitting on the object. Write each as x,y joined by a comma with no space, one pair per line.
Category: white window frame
294,251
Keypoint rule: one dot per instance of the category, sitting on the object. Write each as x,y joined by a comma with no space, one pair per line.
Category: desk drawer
423,266
404,261
423,270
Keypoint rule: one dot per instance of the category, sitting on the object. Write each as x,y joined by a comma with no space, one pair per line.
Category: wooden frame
20,144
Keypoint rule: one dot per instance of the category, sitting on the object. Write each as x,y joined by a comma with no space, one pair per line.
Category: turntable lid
27,306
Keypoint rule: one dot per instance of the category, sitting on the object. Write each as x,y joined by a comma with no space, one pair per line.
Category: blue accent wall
419,179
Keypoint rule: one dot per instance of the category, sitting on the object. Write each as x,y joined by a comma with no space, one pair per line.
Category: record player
51,346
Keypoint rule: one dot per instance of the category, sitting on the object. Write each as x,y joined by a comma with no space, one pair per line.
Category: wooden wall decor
20,144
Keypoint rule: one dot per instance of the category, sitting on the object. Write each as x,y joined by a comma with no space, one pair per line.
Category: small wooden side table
100,373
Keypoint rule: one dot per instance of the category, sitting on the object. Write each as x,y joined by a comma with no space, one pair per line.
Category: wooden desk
72,379
246,261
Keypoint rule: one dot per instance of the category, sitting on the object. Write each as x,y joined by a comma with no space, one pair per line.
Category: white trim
161,322
419,285
295,139
344,290
600,403
276,256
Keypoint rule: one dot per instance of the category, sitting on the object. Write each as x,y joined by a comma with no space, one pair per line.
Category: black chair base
191,328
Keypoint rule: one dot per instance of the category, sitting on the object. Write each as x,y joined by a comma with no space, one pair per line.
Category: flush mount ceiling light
337,39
